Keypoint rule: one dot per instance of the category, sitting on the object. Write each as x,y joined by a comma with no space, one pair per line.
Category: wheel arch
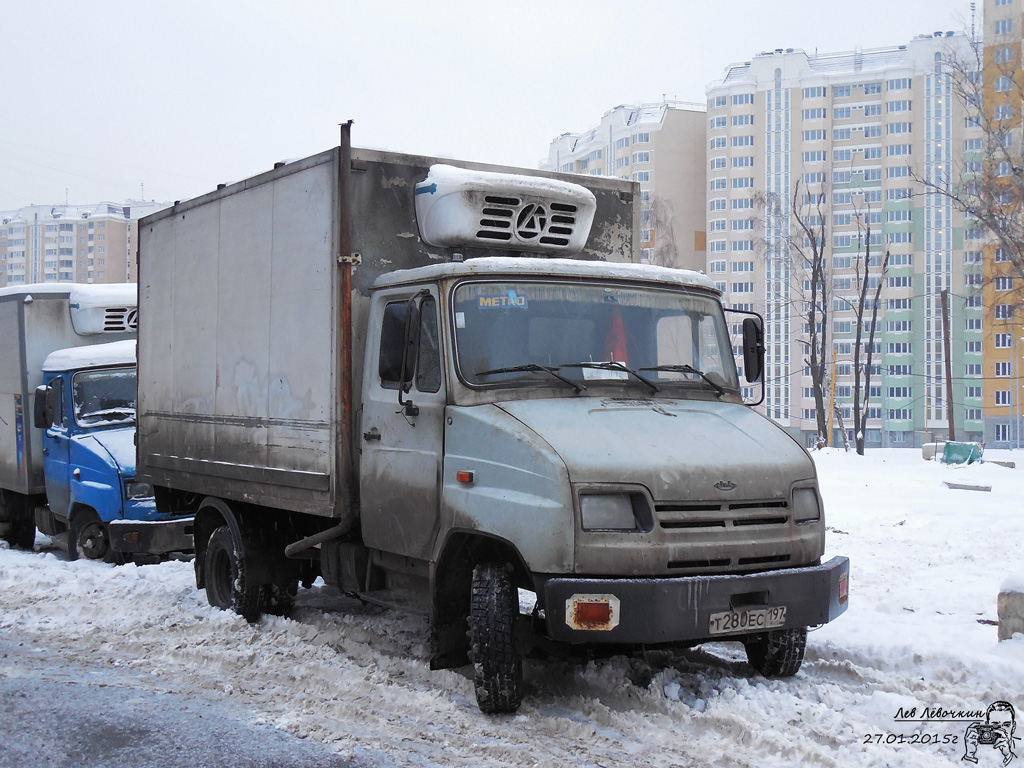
450,589
211,515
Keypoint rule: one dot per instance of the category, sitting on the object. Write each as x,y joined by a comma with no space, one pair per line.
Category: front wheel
778,653
227,587
493,624
87,537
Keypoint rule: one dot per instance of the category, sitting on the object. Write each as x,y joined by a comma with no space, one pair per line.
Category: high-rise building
843,142
661,146
71,243
997,156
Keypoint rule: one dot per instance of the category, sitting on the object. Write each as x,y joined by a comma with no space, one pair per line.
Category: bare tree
864,284
805,237
988,186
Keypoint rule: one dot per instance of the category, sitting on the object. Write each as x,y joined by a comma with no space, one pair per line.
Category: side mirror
40,418
753,348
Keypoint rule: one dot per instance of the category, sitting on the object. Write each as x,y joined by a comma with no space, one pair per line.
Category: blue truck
67,424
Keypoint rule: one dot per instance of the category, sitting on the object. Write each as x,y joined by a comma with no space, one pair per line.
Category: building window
642,138
1001,433
872,131
818,113
899,84
740,99
840,91
1003,369
1004,26
871,110
1003,397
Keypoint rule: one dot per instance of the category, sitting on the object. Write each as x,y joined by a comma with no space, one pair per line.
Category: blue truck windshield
509,331
104,397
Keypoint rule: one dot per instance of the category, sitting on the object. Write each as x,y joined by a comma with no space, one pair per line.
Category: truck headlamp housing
609,512
136,491
805,506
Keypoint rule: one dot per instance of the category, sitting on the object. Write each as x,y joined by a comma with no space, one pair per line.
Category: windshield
104,397
521,331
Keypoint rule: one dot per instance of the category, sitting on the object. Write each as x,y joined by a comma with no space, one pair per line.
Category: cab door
56,449
402,427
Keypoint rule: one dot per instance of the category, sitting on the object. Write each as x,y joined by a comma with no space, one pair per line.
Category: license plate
747,620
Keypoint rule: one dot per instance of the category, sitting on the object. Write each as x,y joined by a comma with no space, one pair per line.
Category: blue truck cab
86,411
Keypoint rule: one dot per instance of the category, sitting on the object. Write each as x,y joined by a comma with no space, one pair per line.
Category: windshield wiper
688,369
534,368
613,366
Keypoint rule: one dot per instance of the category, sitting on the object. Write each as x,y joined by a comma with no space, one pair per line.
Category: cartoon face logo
996,732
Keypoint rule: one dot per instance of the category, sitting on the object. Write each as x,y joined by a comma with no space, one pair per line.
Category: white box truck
437,383
67,420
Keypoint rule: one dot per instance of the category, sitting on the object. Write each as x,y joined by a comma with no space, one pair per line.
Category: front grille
741,514
726,537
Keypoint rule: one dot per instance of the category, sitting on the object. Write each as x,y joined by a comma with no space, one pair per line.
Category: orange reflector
130,538
464,476
844,588
593,613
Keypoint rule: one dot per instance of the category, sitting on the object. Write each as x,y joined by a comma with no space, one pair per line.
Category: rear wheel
778,653
227,587
279,599
21,530
493,623
22,534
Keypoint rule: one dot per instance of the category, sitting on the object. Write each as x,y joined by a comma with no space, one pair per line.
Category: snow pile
920,635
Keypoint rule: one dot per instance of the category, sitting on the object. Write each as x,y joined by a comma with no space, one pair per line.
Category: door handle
46,451
373,434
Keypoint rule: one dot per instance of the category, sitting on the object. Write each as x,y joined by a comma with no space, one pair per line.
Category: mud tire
279,599
778,653
226,585
493,623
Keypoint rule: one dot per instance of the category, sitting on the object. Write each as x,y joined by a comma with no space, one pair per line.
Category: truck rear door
402,443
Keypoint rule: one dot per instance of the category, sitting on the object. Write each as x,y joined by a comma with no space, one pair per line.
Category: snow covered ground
920,634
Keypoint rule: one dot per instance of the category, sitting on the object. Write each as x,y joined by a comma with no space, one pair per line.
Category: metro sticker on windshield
505,301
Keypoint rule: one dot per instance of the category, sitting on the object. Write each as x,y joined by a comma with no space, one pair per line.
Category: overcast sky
106,101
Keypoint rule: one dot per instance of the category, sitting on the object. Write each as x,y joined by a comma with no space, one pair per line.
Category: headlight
607,512
805,506
138,490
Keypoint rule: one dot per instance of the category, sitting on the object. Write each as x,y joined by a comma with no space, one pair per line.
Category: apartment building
995,153
857,132
71,243
661,146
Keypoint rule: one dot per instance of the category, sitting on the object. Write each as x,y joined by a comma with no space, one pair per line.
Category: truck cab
578,431
86,411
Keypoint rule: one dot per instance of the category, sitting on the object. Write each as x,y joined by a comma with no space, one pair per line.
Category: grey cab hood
681,450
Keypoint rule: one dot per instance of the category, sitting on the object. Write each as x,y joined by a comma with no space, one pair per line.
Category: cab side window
55,404
420,349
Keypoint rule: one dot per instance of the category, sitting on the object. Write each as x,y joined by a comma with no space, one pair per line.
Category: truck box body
239,360
368,367
36,320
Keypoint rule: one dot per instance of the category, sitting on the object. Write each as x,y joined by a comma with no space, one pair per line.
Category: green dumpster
962,453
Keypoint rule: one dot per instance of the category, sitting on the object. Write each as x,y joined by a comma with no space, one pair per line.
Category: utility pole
949,363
